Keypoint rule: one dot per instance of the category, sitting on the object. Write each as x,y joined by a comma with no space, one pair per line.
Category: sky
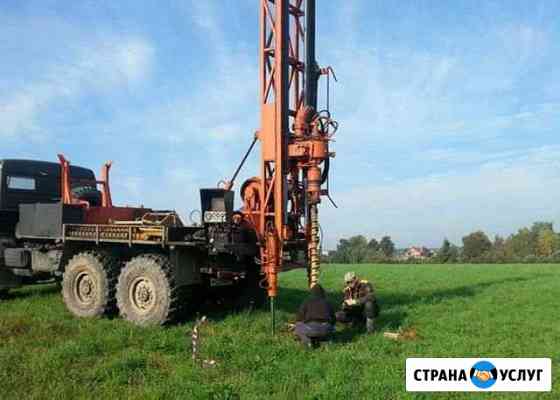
449,112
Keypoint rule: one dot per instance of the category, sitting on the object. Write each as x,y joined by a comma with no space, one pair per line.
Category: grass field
458,311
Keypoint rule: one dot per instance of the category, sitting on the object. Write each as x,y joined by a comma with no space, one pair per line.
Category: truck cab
27,181
31,182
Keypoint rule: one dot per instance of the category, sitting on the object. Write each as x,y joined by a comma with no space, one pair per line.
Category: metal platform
127,234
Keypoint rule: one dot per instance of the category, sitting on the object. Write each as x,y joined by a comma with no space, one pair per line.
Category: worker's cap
349,277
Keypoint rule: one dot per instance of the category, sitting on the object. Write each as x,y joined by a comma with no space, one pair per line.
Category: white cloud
17,113
177,188
403,94
457,156
220,107
410,103
110,64
132,60
410,93
524,42
225,131
497,197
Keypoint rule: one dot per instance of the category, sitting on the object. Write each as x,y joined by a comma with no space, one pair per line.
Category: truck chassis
148,268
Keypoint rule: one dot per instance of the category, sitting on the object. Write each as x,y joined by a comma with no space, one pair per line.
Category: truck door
30,182
20,190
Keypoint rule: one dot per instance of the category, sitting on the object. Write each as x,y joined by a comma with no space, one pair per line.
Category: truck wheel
88,284
146,292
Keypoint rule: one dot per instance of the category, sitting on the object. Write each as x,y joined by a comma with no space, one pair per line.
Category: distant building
417,253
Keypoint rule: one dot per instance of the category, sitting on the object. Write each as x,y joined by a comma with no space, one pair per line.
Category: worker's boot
370,325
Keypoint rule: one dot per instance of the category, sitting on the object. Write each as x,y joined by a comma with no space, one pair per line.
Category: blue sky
449,111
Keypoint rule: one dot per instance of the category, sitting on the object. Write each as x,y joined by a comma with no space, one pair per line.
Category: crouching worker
360,304
315,319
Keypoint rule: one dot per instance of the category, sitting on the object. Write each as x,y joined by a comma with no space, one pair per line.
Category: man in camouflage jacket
359,303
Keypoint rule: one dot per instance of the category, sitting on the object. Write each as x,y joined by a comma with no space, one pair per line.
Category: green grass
458,311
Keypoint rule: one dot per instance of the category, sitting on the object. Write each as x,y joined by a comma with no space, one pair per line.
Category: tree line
358,249
537,243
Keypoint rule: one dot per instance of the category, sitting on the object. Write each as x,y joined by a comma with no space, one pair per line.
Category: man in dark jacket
359,303
315,319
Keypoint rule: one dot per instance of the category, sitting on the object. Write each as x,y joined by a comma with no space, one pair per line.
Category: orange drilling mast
281,204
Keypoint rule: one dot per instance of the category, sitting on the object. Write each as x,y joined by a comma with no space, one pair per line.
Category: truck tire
146,291
88,284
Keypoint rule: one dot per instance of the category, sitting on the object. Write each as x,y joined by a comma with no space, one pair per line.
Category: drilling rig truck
58,221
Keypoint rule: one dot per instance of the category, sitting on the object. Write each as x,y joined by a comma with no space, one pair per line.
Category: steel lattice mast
282,202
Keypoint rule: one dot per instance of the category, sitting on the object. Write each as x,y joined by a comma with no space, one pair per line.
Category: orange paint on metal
106,200
314,184
65,186
294,142
105,214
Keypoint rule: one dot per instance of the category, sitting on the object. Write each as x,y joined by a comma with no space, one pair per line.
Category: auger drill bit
313,247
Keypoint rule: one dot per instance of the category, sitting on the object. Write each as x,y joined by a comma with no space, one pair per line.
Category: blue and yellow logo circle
483,374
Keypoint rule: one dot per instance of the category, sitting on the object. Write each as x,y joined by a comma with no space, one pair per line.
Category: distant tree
358,249
536,243
372,251
555,257
387,246
547,243
342,252
537,227
373,245
475,245
443,253
448,253
520,244
376,257
498,253
528,243
453,254
330,257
